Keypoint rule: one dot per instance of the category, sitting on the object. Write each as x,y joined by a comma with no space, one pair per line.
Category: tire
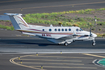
65,43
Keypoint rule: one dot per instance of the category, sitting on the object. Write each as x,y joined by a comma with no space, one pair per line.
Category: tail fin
17,21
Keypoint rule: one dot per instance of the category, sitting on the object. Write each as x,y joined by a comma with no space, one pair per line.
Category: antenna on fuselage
51,25
90,32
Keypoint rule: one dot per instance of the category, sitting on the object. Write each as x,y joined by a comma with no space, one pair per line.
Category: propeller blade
90,32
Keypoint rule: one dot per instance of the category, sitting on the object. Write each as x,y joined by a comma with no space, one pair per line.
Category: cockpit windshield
81,29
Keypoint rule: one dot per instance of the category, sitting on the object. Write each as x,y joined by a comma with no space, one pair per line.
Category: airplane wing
66,37
60,40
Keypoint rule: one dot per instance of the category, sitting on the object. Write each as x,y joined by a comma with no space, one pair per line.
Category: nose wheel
93,43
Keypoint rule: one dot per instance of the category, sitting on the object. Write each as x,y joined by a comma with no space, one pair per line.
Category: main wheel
65,43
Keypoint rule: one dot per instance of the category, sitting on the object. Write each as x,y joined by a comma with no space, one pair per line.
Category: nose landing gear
94,43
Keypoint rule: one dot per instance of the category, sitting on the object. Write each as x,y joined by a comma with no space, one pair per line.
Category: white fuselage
58,32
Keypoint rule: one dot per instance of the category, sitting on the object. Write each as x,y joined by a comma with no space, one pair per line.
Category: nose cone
94,35
88,33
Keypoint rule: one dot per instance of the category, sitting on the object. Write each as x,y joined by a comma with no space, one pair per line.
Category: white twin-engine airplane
55,34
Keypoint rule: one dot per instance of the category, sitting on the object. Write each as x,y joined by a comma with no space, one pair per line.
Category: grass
56,17
100,35
7,27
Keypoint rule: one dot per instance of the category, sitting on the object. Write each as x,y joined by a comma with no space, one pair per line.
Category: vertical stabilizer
17,21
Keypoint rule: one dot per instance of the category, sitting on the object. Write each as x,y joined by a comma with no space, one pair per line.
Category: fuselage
58,32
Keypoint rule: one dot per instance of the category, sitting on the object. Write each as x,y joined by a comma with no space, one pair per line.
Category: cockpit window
81,29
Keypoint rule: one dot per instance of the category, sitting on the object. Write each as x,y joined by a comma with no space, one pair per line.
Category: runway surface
40,6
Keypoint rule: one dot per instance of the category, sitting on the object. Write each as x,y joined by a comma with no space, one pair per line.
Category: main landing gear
65,43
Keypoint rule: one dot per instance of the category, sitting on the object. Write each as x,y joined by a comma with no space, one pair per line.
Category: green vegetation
100,35
60,17
7,27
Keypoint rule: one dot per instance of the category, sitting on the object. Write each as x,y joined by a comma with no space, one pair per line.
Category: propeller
90,32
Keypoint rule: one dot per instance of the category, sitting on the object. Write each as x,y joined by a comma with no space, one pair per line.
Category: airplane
56,34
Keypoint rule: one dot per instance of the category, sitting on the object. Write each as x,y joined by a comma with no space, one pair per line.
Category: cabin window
49,29
58,29
65,29
69,29
55,29
42,29
62,29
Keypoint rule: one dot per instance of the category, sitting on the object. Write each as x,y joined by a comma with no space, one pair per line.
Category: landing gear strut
94,43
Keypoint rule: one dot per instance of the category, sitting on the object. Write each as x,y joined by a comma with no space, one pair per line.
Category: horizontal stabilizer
12,14
4,17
